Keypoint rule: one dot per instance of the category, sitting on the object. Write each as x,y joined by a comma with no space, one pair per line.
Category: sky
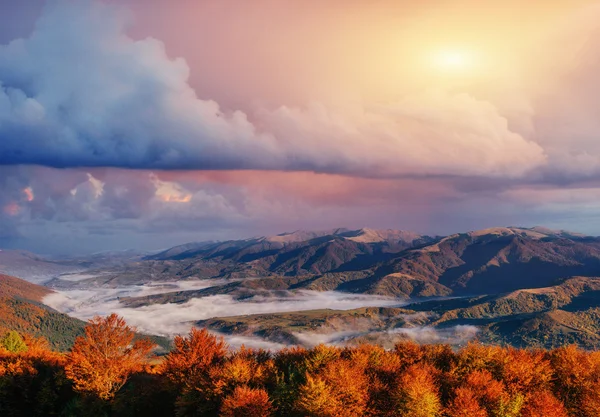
148,123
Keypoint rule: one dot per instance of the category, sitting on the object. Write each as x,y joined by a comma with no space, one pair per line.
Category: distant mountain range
523,286
520,286
392,263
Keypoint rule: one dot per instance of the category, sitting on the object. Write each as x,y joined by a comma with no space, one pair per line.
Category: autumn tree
544,404
246,367
589,405
409,353
316,399
525,371
418,396
32,382
13,342
488,391
477,357
319,356
290,373
465,404
194,367
349,384
101,361
247,402
574,372
381,368
37,346
193,355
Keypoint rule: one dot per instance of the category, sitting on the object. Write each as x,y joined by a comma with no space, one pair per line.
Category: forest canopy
110,372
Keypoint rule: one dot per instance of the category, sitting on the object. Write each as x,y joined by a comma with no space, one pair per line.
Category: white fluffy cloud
80,92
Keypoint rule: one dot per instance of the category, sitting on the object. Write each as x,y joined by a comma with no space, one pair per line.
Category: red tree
101,361
247,402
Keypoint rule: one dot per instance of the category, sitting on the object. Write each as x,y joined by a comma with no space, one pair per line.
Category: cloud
84,94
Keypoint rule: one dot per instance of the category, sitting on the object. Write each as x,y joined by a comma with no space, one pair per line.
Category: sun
452,61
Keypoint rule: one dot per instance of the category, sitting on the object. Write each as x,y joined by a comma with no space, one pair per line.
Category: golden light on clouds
28,194
169,191
454,61
175,198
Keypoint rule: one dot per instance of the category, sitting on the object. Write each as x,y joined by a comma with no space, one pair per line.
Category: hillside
21,309
348,254
499,260
291,254
546,317
526,287
35,268
490,261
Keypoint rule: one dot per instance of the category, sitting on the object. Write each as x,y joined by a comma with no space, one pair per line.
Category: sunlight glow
453,61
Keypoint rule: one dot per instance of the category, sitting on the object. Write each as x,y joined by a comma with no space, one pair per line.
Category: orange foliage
544,404
526,371
192,356
575,372
409,353
465,404
487,390
243,368
349,385
194,368
11,287
418,396
36,345
475,357
200,376
320,356
247,402
15,364
590,401
100,362
316,399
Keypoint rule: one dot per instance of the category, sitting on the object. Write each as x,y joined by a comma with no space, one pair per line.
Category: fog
172,319
455,335
452,335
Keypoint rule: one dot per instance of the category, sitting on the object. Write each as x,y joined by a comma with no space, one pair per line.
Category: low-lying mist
171,319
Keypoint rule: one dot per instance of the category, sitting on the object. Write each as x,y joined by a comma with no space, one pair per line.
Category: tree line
108,372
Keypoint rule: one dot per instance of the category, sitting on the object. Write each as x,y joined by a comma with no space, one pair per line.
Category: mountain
281,256
497,260
242,250
512,285
545,317
21,309
34,268
390,263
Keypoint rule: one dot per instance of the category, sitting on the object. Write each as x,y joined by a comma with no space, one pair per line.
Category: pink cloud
12,209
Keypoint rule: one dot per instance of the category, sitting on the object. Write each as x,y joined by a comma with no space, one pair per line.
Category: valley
511,286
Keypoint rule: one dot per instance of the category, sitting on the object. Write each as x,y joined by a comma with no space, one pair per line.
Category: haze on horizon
145,124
